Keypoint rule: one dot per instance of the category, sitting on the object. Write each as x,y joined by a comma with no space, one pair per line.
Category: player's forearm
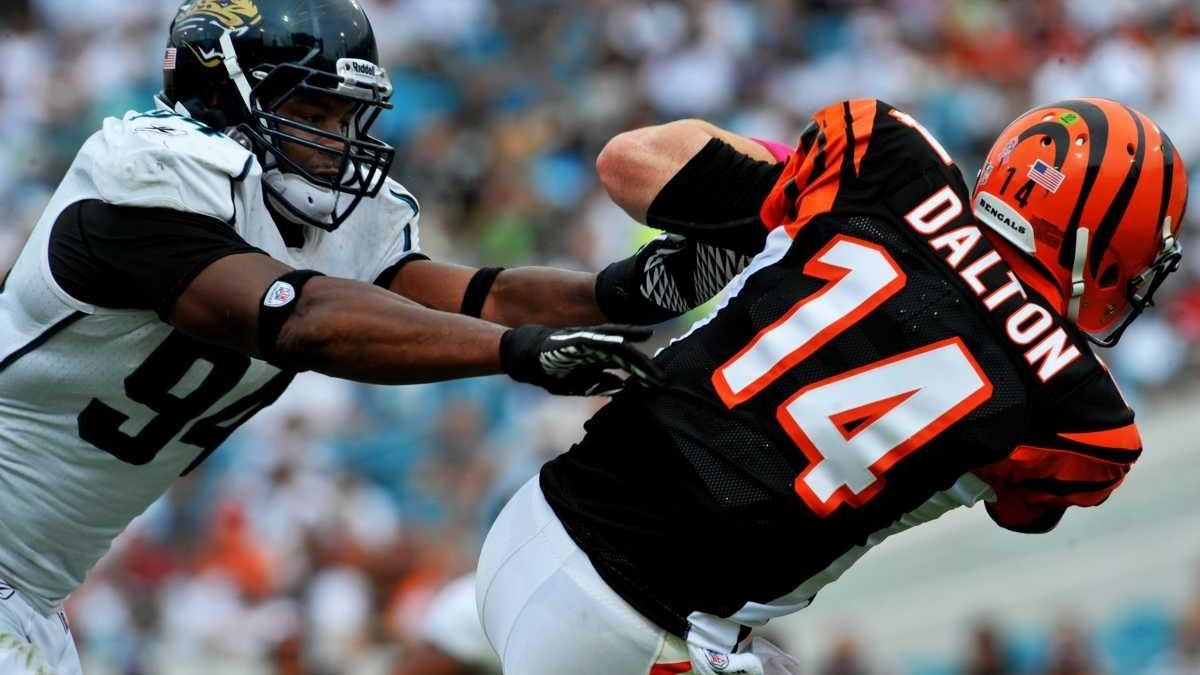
636,165
543,295
345,329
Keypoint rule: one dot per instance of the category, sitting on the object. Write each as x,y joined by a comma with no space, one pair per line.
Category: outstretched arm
636,168
358,331
338,327
202,278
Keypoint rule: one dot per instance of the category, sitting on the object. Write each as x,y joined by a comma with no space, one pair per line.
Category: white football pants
546,611
32,644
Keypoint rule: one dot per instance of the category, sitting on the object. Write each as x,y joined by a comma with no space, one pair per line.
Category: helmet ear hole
1047,141
1130,149
1108,278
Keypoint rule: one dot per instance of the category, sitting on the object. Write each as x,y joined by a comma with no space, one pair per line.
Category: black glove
577,361
667,277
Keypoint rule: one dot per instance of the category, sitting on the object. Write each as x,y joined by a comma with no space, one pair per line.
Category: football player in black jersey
899,346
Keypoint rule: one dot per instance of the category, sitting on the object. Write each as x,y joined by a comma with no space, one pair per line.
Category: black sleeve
122,257
716,197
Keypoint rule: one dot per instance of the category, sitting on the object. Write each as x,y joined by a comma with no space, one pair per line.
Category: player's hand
578,361
670,275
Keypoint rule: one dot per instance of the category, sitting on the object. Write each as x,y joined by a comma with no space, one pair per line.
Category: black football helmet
233,63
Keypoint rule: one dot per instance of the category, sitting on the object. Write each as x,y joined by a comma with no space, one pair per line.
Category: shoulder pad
387,226
856,156
163,159
396,197
394,207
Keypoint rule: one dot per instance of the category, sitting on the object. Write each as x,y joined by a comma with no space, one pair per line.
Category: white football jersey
100,409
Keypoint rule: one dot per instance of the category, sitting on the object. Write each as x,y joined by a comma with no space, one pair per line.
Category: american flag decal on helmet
169,59
1047,176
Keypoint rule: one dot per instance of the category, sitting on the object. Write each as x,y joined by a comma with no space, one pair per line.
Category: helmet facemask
1140,288
359,162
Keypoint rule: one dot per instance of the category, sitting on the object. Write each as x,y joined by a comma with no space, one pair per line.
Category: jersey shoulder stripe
852,158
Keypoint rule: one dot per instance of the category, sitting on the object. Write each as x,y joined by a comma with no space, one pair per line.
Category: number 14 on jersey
854,426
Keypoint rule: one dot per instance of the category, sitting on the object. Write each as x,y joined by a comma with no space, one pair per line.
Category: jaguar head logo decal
235,16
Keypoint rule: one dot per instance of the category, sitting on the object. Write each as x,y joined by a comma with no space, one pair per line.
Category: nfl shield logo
717,660
280,294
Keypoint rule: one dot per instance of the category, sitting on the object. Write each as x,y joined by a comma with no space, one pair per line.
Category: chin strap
295,196
1077,285
229,57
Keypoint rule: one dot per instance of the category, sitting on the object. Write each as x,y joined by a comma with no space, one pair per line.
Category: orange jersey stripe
863,113
1123,438
670,668
833,146
838,132
1031,462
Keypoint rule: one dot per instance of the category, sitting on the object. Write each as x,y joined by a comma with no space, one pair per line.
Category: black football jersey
877,365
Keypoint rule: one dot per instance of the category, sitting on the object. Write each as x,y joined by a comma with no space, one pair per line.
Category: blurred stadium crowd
313,542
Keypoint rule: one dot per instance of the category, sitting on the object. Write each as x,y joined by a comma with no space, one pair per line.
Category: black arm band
278,303
478,289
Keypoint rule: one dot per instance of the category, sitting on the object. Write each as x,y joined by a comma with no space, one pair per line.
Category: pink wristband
779,150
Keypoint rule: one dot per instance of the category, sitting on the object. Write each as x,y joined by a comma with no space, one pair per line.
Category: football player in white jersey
195,257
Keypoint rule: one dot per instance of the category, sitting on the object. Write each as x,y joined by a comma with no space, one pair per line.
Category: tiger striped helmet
1094,192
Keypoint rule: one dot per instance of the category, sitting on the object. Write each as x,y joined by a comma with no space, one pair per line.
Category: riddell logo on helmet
360,70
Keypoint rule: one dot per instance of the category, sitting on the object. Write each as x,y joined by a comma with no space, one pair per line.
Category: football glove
670,275
578,361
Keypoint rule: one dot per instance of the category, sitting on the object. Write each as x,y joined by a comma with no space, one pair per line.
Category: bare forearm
635,165
300,320
543,295
517,296
347,330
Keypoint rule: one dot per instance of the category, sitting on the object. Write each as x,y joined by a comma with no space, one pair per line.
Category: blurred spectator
230,550
845,658
987,653
1187,649
1071,652
1184,656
